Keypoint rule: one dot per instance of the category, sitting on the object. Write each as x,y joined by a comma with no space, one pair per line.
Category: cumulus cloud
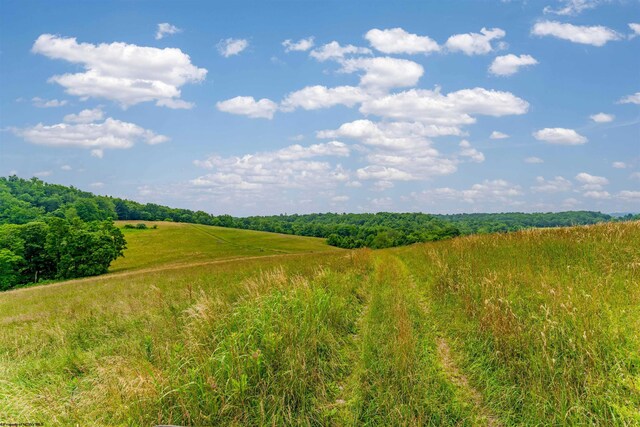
397,40
556,185
475,43
97,137
66,167
316,97
379,172
602,118
602,195
125,73
452,109
293,167
466,150
498,135
493,191
42,174
398,150
248,106
48,103
389,135
85,116
301,45
619,165
384,72
559,136
572,7
166,29
631,99
533,160
591,182
230,47
594,35
333,51
627,195
635,28
510,64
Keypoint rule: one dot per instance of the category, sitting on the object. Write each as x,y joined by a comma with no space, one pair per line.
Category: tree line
43,226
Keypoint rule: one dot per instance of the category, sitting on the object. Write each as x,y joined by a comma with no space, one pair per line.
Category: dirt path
154,270
460,380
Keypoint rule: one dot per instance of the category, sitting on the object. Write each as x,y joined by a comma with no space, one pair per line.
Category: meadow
201,325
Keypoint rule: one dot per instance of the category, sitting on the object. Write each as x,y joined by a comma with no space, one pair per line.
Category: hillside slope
530,328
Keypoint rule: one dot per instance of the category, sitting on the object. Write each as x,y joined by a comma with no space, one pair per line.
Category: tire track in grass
397,378
447,359
457,377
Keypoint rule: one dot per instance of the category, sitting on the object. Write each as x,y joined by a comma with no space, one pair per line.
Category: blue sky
272,107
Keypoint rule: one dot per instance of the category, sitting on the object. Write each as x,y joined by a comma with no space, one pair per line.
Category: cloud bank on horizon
540,114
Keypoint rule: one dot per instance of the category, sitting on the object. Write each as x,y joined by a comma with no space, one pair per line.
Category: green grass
176,243
532,328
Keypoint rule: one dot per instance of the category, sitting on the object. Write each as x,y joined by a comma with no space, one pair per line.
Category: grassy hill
198,327
177,243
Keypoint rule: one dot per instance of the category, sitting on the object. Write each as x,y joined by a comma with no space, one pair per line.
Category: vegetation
26,200
538,327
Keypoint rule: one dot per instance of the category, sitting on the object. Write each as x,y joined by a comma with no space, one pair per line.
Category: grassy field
533,328
177,244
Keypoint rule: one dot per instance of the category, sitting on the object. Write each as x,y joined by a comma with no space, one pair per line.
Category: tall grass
548,320
540,327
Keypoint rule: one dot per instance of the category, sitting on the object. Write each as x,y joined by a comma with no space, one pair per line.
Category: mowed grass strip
178,243
397,377
547,321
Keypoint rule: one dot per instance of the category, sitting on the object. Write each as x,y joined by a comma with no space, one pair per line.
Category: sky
269,107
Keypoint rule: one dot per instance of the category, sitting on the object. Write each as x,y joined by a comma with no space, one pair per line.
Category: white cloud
475,43
468,151
166,29
66,167
111,134
125,73
48,103
572,7
384,173
333,51
315,97
96,184
398,150
248,106
635,175
619,165
301,45
533,160
397,40
559,136
493,191
628,195
591,182
293,167
384,72
389,135
602,117
631,99
85,116
602,195
510,64
594,35
230,47
635,28
556,185
452,109
42,174
498,135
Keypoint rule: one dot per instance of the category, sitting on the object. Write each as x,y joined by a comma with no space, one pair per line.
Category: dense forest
50,231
